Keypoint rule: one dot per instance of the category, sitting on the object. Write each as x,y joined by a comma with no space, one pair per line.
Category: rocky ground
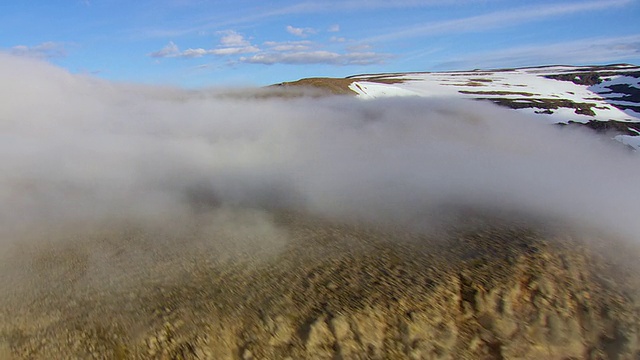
304,287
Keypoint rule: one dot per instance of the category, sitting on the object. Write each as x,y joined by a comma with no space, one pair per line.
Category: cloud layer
46,50
596,50
75,150
301,32
315,57
300,52
497,19
231,43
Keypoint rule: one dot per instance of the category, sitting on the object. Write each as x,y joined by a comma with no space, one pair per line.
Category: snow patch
508,84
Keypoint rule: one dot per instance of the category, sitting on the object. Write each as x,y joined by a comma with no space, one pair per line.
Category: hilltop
603,98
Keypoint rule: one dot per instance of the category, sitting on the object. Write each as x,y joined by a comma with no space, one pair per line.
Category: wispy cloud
252,15
279,46
497,19
355,5
583,51
169,50
359,47
231,43
172,51
316,57
46,50
334,28
276,52
301,32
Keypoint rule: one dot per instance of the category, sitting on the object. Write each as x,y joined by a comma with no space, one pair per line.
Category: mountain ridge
560,94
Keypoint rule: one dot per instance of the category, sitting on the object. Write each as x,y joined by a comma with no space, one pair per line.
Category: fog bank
77,151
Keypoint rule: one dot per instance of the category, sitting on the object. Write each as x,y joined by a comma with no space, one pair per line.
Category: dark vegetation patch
482,80
474,83
495,93
592,76
548,104
470,83
629,93
384,79
589,78
621,127
612,67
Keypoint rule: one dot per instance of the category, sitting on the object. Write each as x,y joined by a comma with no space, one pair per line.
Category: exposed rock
495,291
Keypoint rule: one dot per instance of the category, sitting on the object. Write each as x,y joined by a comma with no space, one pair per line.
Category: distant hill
604,98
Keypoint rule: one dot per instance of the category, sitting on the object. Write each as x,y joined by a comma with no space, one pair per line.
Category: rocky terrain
488,289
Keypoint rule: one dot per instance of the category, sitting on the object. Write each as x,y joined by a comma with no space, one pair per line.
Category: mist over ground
82,153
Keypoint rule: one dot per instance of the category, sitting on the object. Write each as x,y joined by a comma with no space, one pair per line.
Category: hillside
603,98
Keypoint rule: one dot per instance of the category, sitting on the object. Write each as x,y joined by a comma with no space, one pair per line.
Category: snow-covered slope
601,97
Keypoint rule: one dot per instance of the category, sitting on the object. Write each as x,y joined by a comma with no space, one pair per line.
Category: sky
203,43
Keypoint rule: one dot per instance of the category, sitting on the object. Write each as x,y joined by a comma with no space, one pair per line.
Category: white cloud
334,28
338,39
276,52
193,53
359,47
234,50
231,43
498,19
288,45
302,57
169,50
231,38
46,50
301,32
316,57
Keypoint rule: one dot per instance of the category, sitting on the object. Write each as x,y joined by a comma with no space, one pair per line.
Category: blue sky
201,43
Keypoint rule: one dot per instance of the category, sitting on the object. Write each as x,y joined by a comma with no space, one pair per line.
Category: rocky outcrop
335,292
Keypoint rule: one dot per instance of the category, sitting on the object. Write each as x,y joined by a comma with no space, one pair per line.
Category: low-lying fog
77,151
